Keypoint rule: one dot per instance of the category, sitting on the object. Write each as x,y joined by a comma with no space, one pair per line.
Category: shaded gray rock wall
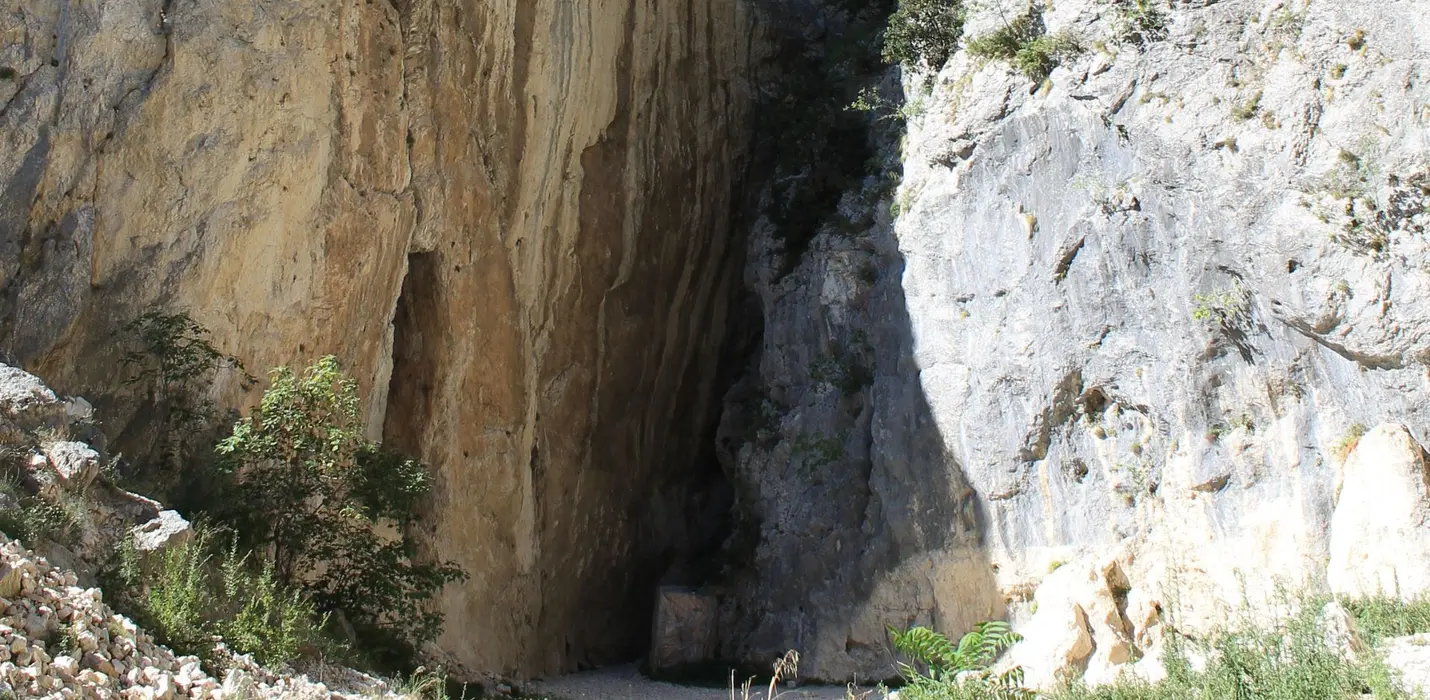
1132,315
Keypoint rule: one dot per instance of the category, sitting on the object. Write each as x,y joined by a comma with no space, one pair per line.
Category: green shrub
1228,308
1025,43
938,669
1381,616
269,622
924,32
310,489
173,605
1138,22
171,358
188,595
37,518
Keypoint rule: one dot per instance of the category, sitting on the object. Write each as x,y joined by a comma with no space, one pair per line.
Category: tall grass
190,595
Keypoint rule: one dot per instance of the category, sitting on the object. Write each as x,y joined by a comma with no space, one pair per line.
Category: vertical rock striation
509,219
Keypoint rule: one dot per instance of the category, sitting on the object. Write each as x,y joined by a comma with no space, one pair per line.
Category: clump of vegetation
924,32
1356,41
311,490
171,358
785,668
871,102
1348,442
188,595
1230,308
302,498
37,519
815,146
1382,616
1138,22
1025,43
1365,227
844,368
938,669
818,450
1248,109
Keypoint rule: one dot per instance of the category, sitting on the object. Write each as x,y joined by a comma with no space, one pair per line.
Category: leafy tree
924,31
171,355
311,489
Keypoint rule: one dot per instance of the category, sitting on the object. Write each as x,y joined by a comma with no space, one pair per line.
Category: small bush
1025,43
37,518
924,32
1248,109
1138,22
1348,441
272,624
189,595
1382,616
1228,308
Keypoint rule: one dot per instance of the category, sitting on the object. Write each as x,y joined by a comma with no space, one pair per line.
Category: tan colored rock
509,220
1096,595
1058,640
10,581
75,463
1379,542
683,631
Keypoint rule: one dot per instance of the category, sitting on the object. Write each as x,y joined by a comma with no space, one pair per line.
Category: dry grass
786,668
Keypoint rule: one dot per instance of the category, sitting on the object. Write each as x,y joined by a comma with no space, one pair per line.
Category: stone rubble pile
57,637
58,640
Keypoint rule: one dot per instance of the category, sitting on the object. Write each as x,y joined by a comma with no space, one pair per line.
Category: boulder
1410,657
166,531
9,581
1340,630
1081,627
75,463
1379,542
1056,647
684,627
26,400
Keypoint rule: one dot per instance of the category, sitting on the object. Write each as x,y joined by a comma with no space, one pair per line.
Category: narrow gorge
704,292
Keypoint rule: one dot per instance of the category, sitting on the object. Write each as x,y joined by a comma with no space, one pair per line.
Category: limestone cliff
1124,324
510,220
1018,345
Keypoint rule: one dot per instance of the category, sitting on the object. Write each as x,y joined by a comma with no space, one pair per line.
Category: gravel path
626,683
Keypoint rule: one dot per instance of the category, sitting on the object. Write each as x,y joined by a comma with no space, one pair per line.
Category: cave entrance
415,355
683,527
717,541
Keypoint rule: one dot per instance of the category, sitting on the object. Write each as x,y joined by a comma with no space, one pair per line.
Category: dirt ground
626,683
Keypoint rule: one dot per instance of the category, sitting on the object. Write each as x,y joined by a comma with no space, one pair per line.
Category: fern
936,662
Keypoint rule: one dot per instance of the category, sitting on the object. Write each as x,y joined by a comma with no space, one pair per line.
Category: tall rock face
510,219
1125,324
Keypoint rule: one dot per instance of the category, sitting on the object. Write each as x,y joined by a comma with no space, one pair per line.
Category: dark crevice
415,343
